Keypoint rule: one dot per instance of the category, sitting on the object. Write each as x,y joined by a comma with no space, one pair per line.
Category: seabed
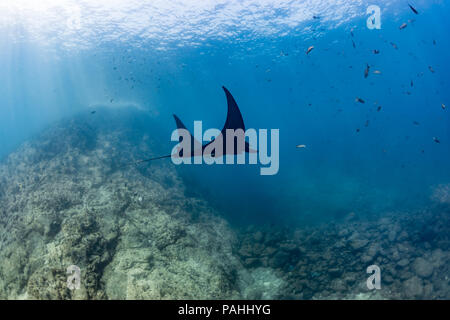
66,200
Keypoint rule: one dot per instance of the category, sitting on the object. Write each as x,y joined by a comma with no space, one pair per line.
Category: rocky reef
330,262
441,193
66,199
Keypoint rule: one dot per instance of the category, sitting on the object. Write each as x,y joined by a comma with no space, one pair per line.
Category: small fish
434,42
359,100
366,72
379,109
111,101
443,106
376,51
431,69
377,72
413,9
403,26
416,123
316,17
309,49
412,83
436,140
357,130
92,112
301,146
394,45
353,44
351,32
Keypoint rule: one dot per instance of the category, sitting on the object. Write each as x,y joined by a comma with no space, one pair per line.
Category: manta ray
234,122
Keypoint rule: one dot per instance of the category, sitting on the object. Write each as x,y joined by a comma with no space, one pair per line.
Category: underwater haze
96,83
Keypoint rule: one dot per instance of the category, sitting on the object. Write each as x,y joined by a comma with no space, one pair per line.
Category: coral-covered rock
67,200
422,267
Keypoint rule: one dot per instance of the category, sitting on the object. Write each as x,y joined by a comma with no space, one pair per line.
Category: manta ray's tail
180,125
144,160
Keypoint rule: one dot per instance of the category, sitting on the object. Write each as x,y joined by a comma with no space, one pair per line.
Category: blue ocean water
58,59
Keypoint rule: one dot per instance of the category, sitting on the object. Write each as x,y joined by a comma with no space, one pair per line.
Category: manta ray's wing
194,143
234,121
234,117
180,124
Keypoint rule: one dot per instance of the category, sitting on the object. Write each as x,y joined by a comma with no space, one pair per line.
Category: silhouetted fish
403,26
431,69
366,72
443,106
92,112
379,108
359,100
436,140
394,45
376,51
413,9
416,123
309,49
